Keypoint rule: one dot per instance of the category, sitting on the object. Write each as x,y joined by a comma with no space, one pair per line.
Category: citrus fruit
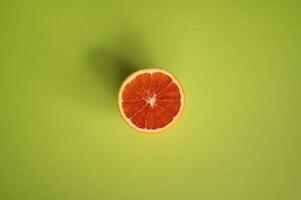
150,100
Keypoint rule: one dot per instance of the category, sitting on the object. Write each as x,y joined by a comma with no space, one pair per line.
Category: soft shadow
111,68
112,63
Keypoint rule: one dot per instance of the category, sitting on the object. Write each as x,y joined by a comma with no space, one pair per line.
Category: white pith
151,100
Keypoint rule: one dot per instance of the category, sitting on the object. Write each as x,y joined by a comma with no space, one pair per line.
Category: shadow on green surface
111,68
113,63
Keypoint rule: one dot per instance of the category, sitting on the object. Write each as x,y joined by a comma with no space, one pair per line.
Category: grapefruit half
150,100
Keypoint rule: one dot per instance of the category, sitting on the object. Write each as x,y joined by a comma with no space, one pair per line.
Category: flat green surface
61,137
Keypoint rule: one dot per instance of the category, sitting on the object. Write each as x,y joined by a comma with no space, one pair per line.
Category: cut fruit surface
150,100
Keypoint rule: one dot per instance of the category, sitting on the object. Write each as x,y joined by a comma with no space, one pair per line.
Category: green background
61,136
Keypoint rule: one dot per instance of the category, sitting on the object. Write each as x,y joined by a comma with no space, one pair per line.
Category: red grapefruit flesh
150,100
